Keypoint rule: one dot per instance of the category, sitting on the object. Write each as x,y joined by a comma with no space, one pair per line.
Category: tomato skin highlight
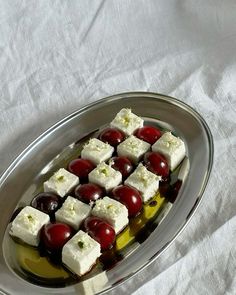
149,134
130,197
157,163
101,231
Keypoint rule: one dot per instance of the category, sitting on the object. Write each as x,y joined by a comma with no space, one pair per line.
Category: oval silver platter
19,182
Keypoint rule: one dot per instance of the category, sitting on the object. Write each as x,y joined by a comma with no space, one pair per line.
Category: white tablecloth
57,56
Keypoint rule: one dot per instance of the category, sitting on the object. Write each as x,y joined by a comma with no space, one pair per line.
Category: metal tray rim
166,98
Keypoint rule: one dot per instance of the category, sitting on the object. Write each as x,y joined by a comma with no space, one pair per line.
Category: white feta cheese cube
144,181
133,148
127,121
173,148
115,213
97,151
80,253
105,176
73,212
27,225
61,182
92,285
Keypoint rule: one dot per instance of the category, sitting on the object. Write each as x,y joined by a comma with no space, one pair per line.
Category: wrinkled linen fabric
57,56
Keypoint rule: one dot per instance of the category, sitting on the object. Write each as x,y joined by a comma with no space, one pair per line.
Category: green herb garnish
60,178
104,171
126,121
81,244
30,218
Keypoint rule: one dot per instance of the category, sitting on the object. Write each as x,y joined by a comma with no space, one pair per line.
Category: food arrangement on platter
95,205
